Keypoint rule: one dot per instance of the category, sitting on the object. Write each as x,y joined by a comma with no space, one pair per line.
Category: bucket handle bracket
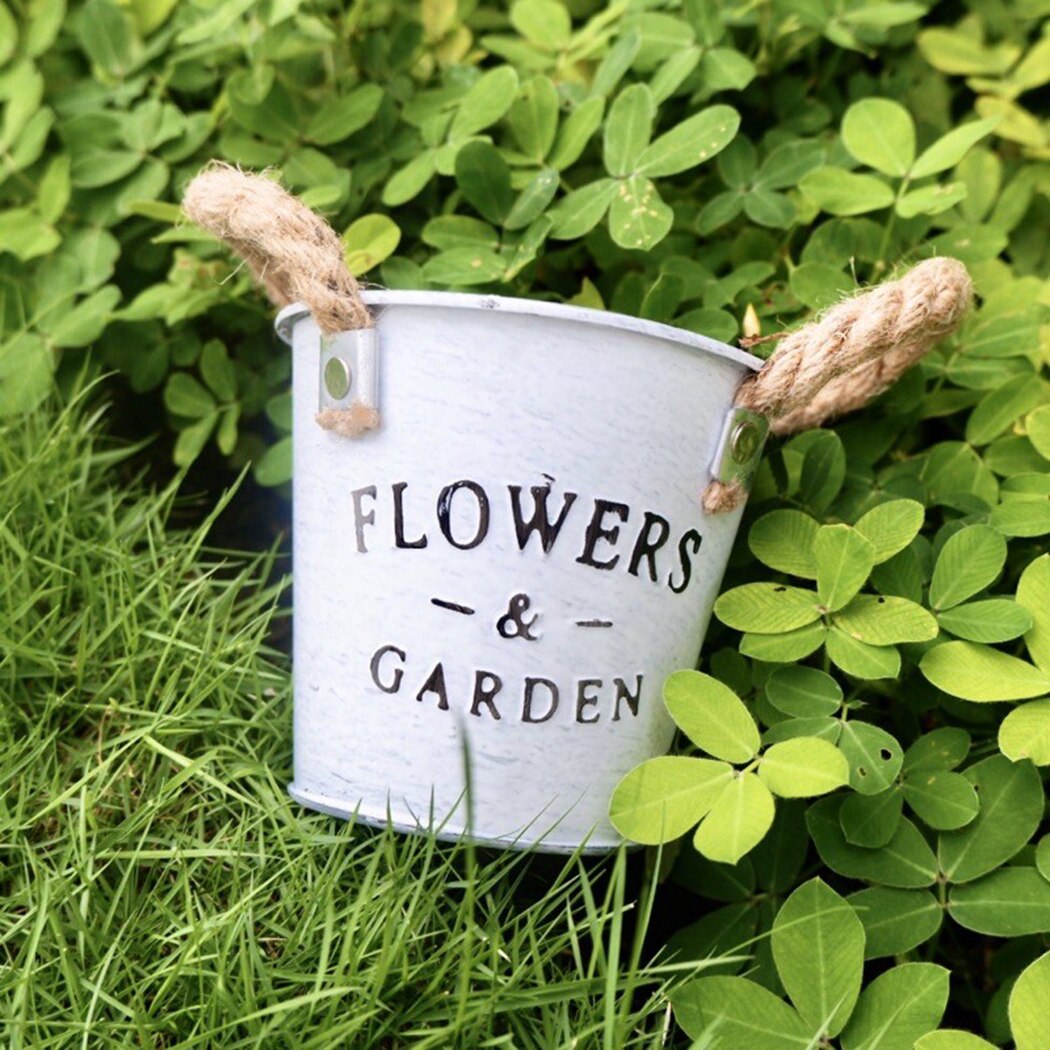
740,445
348,375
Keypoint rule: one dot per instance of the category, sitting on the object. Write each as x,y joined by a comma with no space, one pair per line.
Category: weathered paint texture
507,569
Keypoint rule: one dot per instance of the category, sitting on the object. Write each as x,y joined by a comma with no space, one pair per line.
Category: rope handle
857,349
830,366
292,253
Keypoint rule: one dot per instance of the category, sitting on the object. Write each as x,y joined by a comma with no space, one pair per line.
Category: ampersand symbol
511,624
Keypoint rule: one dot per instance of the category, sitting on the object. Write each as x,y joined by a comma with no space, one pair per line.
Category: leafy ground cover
160,889
879,659
722,166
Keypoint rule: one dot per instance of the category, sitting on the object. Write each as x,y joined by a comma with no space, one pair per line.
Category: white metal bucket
442,622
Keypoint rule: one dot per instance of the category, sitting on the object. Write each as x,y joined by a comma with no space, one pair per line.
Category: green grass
159,888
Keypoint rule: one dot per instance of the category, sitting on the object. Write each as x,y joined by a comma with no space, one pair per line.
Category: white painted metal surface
431,626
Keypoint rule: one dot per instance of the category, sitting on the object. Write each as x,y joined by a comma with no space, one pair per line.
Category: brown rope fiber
857,349
839,362
292,253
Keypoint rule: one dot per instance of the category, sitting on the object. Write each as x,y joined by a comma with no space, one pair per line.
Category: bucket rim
380,297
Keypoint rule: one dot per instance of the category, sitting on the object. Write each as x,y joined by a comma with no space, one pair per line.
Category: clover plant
818,949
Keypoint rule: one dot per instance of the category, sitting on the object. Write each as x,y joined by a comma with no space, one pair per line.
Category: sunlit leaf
663,798
880,133
803,767
711,715
737,821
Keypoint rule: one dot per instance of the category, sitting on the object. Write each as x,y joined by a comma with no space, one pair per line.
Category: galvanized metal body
503,574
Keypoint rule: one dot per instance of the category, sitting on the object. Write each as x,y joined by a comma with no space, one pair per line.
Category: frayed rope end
348,422
720,497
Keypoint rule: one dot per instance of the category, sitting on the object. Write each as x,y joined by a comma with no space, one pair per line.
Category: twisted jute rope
857,349
839,362
292,253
